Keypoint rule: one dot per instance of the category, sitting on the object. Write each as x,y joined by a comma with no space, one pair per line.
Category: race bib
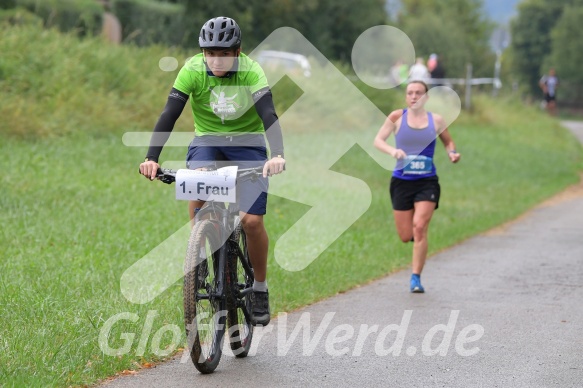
216,185
417,165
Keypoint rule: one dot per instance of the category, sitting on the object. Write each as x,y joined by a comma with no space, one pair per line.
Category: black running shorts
405,193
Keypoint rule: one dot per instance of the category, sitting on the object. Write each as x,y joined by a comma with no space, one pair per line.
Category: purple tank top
419,145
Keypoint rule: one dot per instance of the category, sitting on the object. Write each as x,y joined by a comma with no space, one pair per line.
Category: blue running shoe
416,286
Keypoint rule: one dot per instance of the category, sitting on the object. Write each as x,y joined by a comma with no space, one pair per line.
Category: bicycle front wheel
239,306
204,308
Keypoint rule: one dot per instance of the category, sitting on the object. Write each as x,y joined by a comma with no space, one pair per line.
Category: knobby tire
204,309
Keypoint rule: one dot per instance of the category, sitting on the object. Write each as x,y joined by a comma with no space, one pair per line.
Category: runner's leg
421,218
404,224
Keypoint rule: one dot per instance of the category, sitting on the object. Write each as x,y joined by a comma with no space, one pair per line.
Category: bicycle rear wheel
204,308
239,308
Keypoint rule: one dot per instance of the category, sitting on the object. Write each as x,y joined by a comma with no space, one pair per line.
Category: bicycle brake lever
163,176
166,179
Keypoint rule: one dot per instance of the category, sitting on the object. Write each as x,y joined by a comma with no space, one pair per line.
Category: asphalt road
503,309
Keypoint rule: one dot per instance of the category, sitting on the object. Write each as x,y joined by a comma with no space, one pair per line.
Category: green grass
76,214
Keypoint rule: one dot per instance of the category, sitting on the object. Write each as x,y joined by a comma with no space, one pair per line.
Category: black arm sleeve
266,110
174,106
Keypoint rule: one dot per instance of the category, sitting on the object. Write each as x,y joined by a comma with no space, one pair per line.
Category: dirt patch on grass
572,192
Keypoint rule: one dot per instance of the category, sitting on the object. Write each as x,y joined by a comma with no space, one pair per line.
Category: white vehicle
292,62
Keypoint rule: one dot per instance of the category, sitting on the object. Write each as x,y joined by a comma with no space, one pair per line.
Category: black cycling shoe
260,308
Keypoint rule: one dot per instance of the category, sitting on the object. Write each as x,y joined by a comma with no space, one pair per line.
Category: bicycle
218,279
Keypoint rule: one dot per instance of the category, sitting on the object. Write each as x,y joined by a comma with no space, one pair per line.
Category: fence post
497,66
468,86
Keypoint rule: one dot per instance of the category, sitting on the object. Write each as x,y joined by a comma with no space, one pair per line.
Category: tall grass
53,84
76,214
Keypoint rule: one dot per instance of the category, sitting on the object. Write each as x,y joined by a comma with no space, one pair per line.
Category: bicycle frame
225,217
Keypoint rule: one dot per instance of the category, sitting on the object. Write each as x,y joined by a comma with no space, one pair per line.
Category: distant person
432,62
437,71
414,187
397,73
419,72
549,83
404,72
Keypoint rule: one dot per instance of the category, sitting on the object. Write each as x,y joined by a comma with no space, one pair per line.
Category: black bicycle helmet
220,33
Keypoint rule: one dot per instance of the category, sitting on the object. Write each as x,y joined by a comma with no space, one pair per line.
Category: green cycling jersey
223,105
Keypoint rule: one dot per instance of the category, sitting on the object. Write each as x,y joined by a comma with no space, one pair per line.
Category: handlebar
168,176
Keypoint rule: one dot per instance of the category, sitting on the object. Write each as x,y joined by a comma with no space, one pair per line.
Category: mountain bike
218,278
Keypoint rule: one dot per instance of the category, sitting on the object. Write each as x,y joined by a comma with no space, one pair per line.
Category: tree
567,52
331,25
267,16
197,13
456,30
428,35
531,37
343,22
531,41
467,14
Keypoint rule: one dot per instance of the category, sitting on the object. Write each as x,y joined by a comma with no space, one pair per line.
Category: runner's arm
446,139
543,84
388,127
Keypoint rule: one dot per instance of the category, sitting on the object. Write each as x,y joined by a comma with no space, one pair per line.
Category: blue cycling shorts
245,151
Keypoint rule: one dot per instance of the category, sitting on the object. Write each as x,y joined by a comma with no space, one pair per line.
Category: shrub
18,17
146,22
81,15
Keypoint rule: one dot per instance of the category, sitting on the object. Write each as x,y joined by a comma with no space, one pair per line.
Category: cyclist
233,112
414,185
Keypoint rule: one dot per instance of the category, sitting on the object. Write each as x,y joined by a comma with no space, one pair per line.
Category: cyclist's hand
274,166
399,154
149,169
